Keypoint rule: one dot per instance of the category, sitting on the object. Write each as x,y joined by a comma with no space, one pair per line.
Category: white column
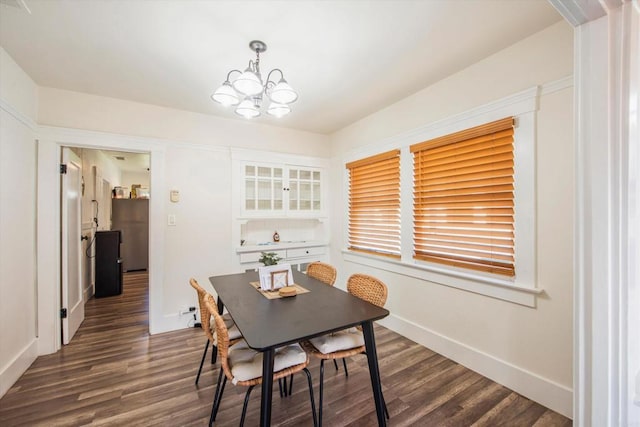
606,306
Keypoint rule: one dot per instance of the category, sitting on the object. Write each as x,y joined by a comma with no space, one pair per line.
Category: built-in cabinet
271,190
284,193
297,254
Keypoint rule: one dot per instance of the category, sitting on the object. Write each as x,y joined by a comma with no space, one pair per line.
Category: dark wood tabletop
267,324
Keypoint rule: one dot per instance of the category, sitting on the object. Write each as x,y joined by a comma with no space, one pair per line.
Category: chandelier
247,90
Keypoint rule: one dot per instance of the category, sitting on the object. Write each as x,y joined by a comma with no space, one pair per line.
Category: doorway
108,176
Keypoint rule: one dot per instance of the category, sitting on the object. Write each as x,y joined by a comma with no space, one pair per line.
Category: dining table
267,324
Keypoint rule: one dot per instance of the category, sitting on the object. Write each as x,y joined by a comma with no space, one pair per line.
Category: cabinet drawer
255,256
304,252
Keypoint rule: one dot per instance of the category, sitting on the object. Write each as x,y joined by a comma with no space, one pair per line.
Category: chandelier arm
229,74
269,76
269,84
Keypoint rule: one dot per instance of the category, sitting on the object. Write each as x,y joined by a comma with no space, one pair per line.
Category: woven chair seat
246,364
337,341
349,342
232,329
208,325
243,365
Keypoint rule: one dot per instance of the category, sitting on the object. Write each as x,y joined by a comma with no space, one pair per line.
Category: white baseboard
14,369
171,322
544,391
88,292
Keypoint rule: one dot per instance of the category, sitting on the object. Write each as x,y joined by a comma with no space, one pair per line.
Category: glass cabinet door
274,190
304,190
263,188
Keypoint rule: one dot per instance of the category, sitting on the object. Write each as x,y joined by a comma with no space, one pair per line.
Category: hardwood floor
114,373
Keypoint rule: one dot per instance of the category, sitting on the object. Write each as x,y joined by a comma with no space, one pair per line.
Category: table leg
267,387
374,373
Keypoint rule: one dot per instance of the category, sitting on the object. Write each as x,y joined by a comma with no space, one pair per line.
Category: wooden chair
243,366
350,342
324,272
208,328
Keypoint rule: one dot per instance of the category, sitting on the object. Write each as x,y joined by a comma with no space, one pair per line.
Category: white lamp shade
226,95
278,110
247,109
282,93
248,83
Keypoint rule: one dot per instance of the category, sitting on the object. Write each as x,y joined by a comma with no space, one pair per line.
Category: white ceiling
347,59
129,162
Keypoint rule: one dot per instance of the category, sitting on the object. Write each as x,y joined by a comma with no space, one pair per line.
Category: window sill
494,287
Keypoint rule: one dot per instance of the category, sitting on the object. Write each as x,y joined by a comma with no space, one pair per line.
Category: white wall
19,103
59,108
527,349
190,152
130,178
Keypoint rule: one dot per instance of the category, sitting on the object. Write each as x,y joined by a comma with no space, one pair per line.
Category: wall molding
557,85
535,387
247,155
580,11
18,115
14,369
519,103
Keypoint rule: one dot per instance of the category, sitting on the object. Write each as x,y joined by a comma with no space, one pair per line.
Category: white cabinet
273,190
304,190
253,257
263,189
296,254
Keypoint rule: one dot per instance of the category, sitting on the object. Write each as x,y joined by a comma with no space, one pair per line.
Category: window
464,199
374,204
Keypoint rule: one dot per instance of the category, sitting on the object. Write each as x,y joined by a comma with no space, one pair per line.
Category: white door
72,301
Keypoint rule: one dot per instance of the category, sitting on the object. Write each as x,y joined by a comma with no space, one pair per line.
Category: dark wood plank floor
114,373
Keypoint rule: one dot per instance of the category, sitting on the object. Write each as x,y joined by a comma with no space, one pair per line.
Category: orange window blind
463,199
374,204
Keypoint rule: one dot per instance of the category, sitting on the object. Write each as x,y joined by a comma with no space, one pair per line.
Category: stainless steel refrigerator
131,217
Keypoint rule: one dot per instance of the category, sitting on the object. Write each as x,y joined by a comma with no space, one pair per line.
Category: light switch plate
171,220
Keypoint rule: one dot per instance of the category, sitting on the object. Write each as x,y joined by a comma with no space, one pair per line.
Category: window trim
520,289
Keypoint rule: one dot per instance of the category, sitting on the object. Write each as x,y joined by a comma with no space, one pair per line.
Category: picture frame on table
274,277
